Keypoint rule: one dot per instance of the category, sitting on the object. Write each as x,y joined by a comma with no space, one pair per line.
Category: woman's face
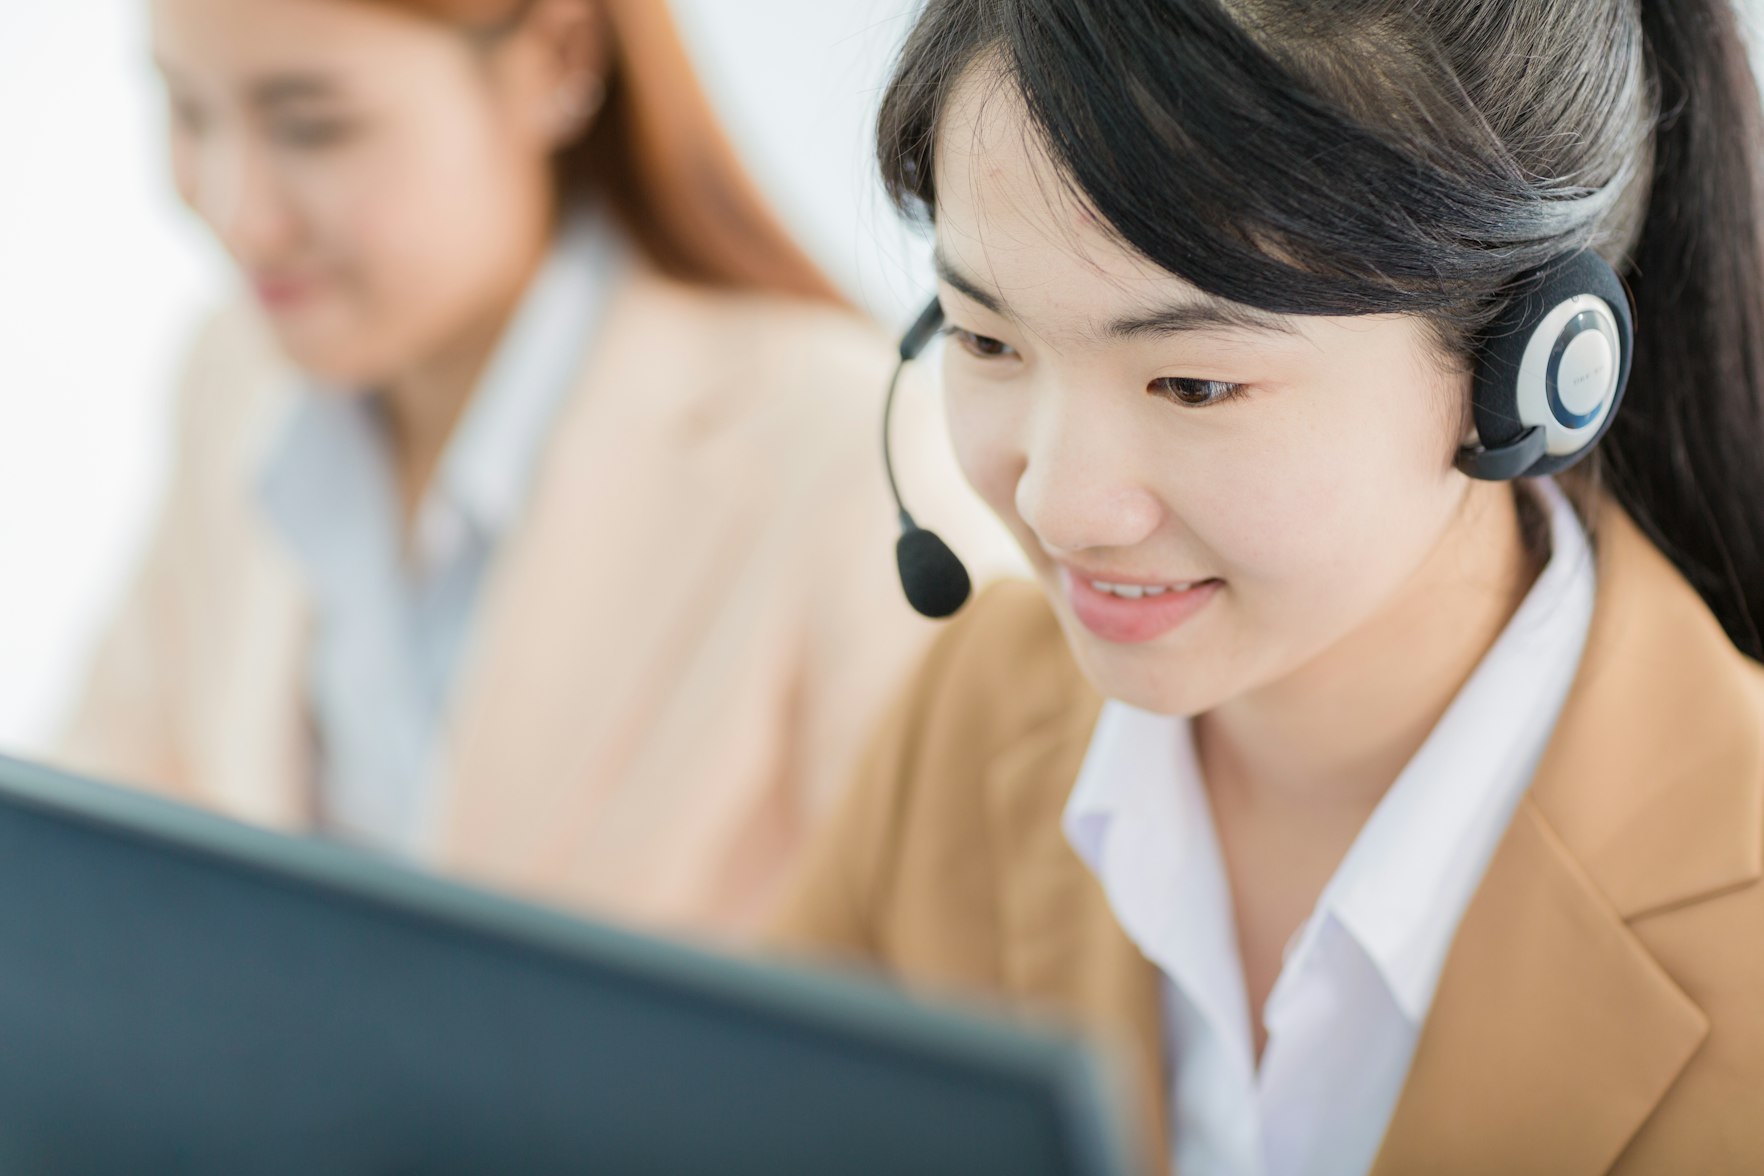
1256,488
381,182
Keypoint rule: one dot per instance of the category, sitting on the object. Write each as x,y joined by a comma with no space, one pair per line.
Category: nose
234,191
1077,490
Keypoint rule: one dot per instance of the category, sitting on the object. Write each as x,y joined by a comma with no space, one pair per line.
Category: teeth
1136,591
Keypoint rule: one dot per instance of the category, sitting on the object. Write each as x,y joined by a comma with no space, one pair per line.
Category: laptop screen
179,993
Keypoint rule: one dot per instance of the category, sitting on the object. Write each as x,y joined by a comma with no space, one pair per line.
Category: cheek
405,212
986,436
420,238
1331,510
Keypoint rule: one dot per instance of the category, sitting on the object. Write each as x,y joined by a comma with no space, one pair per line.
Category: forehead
1010,223
1006,215
248,40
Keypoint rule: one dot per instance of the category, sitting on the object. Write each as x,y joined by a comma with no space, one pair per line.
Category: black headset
1550,374
934,578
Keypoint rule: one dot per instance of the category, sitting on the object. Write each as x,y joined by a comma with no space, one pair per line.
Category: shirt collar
1411,873
488,466
1138,814
1139,818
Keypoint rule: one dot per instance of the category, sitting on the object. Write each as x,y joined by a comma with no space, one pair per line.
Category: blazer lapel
259,764
1064,954
256,757
1554,1033
554,699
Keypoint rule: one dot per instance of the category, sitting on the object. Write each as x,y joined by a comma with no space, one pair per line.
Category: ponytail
1686,455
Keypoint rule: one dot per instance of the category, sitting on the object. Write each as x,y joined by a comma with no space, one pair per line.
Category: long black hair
1419,157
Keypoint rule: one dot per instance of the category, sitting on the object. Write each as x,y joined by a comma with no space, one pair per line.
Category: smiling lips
1130,614
278,293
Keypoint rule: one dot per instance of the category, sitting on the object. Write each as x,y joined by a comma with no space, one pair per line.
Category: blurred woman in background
530,524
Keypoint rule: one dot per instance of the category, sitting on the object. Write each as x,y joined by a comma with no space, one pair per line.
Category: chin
1158,677
1159,698
326,341
329,361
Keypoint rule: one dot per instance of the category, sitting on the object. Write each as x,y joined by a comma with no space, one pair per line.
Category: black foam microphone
934,578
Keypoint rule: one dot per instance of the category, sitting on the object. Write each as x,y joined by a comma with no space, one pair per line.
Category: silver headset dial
1569,372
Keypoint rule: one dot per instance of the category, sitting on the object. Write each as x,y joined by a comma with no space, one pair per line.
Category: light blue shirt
391,617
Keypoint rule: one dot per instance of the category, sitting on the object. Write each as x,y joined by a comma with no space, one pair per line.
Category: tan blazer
1602,1009
680,649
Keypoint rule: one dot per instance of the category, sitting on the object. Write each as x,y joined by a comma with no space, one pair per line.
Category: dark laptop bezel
863,1012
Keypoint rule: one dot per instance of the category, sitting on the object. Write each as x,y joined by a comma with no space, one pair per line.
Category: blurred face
381,181
1213,498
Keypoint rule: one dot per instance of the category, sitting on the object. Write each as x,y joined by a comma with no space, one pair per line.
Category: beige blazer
1602,1008
679,651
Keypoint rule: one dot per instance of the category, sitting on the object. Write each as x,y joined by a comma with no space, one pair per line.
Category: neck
425,401
1330,740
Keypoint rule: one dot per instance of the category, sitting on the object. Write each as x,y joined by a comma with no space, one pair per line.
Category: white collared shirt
1358,978
390,617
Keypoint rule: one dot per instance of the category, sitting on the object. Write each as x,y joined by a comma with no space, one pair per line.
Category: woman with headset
527,525
1382,759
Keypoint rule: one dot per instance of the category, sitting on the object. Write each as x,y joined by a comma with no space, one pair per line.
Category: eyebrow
275,90
291,88
1206,314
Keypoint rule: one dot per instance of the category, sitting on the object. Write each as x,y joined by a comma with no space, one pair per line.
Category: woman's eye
983,346
1195,393
311,134
186,116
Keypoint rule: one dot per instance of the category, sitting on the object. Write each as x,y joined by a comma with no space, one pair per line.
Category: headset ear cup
1505,414
1494,400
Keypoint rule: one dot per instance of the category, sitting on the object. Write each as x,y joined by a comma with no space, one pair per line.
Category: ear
564,49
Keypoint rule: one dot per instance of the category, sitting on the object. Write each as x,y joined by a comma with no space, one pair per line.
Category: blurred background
91,233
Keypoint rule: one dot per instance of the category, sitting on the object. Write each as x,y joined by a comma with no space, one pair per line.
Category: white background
102,277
